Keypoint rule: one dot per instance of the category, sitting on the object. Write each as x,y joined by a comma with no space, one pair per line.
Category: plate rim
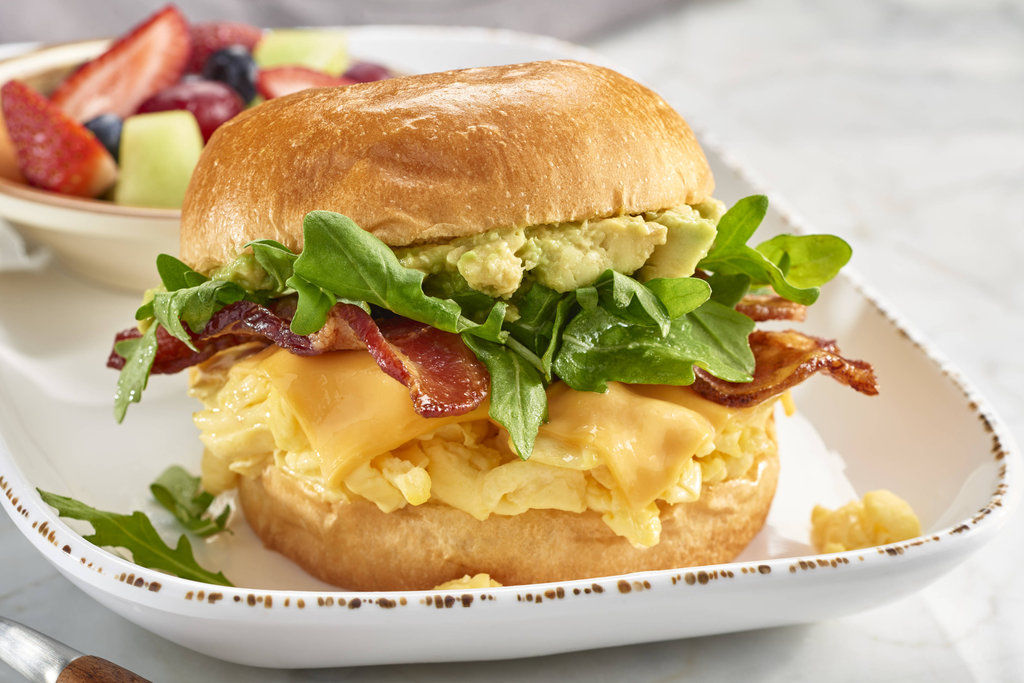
105,571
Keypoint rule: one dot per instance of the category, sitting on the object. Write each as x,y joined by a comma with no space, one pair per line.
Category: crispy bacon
172,355
784,359
761,307
443,375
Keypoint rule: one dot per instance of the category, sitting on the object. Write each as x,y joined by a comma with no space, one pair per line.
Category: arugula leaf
451,285
139,355
518,400
175,274
587,298
562,312
737,225
728,289
543,314
598,346
680,295
807,260
631,300
313,306
179,492
276,259
136,534
794,265
345,260
193,306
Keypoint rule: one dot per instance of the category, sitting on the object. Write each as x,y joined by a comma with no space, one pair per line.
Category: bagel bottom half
356,546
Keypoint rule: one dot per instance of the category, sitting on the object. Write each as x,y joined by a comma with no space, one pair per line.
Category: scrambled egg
569,255
621,453
881,517
467,581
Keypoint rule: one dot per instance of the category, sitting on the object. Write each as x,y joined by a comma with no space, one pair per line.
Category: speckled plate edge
109,573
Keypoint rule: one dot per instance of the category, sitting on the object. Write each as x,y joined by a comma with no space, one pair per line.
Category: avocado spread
566,256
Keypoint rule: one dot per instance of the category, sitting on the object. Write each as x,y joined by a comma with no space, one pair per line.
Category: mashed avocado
245,272
569,255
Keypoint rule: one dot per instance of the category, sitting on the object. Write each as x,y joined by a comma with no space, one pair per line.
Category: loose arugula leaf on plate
139,355
136,534
598,347
341,258
180,493
519,401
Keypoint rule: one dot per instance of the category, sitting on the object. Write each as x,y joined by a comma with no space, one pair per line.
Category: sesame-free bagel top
433,157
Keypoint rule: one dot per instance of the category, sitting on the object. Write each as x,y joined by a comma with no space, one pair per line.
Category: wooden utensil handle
89,669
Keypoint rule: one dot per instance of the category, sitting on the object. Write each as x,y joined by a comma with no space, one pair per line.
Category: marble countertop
898,124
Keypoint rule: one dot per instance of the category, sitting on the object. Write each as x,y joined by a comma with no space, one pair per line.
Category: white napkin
15,255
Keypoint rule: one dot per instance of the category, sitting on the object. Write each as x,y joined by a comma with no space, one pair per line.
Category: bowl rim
27,193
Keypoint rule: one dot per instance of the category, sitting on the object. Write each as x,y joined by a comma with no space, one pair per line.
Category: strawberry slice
8,156
148,59
284,80
211,36
54,151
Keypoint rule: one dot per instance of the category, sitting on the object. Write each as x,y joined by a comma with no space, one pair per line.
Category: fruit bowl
97,239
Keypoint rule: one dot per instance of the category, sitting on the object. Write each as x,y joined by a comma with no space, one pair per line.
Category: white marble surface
898,124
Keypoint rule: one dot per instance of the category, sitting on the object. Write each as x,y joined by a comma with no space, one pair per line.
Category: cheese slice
349,409
644,442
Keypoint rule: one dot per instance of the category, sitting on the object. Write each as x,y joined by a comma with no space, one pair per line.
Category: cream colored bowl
105,242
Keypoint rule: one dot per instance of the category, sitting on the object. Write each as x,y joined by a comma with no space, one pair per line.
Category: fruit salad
129,125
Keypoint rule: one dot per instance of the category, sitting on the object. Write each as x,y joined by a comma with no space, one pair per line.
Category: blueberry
234,66
107,129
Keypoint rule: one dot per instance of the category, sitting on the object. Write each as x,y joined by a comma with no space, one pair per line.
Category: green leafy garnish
340,257
807,260
136,534
630,300
810,258
139,355
615,329
180,493
680,295
518,399
598,347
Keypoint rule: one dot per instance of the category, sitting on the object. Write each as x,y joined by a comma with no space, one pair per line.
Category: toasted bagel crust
433,157
358,547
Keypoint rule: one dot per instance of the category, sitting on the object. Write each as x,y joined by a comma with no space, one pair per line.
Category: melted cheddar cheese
881,517
346,430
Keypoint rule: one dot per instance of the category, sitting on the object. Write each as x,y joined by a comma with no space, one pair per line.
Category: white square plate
928,437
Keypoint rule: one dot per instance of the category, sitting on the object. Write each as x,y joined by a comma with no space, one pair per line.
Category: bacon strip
761,307
443,375
784,359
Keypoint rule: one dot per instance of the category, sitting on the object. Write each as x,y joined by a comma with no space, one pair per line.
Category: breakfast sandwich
488,321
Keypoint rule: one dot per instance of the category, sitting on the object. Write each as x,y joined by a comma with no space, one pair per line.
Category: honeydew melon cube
325,51
158,153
